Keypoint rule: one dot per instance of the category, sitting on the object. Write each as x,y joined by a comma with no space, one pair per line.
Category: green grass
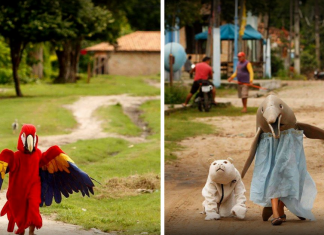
180,125
152,115
115,121
129,215
104,159
101,85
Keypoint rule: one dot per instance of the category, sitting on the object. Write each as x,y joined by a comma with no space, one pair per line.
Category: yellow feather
3,168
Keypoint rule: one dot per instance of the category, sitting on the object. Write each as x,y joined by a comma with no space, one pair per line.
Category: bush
307,62
276,64
176,94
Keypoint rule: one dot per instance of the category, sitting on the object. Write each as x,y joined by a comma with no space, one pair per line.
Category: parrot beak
30,143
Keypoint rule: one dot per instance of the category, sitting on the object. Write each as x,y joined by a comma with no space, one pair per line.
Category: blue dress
280,172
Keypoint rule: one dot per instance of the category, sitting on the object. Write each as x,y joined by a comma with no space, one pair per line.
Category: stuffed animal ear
230,160
210,160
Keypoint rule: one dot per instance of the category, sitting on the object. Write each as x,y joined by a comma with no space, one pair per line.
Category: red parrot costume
36,178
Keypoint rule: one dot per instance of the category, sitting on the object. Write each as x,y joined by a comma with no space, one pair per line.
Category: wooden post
171,62
89,72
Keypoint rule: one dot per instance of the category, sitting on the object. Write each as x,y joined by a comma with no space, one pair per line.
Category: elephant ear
311,131
252,152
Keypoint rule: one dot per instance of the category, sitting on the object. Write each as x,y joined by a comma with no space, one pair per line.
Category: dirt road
185,178
89,127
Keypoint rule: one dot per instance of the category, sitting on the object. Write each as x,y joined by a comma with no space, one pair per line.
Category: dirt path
185,178
89,127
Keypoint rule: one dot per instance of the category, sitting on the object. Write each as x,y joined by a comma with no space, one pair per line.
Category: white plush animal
224,191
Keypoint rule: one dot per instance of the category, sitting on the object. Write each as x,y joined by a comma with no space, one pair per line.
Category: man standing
244,74
203,72
187,65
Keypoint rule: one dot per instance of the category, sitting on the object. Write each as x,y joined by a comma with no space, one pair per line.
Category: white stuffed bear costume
224,191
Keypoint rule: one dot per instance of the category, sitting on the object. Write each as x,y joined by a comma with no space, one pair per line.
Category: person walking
203,71
245,76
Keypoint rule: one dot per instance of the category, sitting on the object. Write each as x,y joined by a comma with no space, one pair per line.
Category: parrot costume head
28,140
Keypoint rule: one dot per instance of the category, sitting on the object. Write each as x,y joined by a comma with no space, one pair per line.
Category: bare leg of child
31,230
276,217
274,203
22,233
281,210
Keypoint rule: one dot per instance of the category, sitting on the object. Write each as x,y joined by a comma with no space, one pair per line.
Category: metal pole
216,45
235,59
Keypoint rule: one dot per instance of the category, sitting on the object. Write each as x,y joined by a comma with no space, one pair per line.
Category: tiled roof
137,41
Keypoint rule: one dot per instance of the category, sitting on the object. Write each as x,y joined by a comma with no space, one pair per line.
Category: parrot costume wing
60,176
6,160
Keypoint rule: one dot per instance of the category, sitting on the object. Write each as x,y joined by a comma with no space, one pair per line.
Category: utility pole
317,37
297,41
216,44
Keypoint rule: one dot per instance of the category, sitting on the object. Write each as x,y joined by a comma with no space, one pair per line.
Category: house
137,53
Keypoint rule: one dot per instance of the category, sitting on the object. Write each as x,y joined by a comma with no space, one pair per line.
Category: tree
27,21
87,21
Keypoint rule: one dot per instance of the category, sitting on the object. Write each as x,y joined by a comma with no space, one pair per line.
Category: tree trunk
297,41
317,36
75,55
68,60
64,61
37,55
290,31
16,50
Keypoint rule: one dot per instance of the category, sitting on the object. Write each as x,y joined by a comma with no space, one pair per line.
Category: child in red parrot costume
36,178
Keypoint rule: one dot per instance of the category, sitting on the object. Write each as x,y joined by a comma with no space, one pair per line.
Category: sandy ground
89,127
185,178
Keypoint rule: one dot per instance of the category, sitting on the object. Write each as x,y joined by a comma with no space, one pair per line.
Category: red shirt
203,71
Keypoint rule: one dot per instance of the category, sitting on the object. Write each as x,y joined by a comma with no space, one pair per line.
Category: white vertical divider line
162,117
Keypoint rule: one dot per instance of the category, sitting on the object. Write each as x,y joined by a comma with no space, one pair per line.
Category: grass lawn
101,85
116,121
180,125
120,167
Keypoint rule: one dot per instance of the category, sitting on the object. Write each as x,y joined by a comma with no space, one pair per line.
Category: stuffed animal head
28,140
222,171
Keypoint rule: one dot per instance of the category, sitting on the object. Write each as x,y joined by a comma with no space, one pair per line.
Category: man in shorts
244,74
203,71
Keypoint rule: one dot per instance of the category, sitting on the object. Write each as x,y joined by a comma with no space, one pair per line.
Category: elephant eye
214,163
280,106
225,162
261,109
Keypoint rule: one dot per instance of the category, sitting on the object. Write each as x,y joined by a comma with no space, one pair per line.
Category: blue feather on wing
54,185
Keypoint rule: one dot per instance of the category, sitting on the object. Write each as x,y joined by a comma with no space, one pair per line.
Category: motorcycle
203,98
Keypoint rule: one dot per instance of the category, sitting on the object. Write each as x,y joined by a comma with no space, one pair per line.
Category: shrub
176,94
276,64
307,62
